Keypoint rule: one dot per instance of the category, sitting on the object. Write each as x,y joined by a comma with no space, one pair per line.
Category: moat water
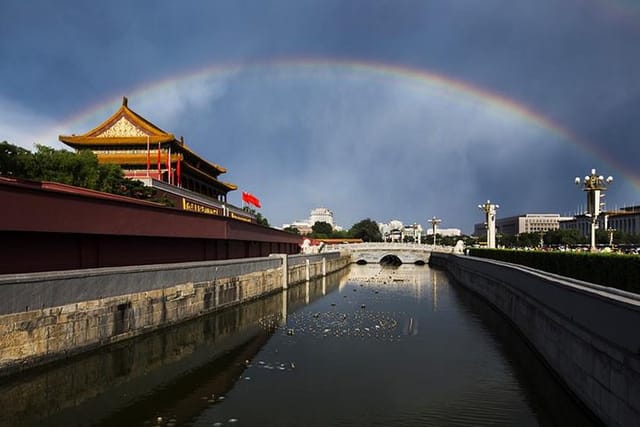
370,346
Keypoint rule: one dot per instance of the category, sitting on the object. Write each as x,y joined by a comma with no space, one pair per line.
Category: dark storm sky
298,125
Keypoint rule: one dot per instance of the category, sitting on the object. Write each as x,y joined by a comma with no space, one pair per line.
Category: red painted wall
46,227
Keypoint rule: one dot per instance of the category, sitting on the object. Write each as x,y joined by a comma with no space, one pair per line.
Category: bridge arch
390,259
374,253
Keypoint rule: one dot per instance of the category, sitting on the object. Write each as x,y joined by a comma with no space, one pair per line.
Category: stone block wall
48,317
588,334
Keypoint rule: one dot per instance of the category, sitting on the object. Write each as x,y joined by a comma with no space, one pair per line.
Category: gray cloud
360,145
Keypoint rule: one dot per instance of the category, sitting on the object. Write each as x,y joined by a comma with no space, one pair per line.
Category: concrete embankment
49,316
587,334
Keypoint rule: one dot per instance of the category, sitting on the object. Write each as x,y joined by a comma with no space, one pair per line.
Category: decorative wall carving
121,128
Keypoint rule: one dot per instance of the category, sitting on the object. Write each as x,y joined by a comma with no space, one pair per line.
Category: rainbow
453,88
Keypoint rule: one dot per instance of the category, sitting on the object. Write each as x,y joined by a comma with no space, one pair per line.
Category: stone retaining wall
48,316
587,334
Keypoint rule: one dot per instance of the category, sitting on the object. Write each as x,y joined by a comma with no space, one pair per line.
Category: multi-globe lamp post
594,185
434,225
490,222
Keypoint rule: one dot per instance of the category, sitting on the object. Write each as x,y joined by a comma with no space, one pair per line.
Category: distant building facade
321,215
396,231
625,220
445,232
304,226
526,223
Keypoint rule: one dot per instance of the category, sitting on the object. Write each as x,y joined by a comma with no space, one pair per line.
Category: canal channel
364,347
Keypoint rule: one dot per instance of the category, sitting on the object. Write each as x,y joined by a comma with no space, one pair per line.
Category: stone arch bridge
388,253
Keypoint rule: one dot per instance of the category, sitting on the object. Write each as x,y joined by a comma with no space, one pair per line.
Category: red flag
251,199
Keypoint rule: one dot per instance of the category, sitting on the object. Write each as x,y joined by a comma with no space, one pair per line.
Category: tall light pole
490,222
434,225
593,185
611,231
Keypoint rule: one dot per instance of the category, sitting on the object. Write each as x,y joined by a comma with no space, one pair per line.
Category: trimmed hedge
613,270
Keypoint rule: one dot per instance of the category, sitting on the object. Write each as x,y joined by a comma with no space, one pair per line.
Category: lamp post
490,222
611,231
593,185
434,225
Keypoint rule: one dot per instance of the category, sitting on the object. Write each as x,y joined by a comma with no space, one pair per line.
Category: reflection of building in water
141,366
204,356
285,307
434,290
403,277
410,327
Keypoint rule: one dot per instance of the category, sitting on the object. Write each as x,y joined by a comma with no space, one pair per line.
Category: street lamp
593,184
611,231
434,225
490,222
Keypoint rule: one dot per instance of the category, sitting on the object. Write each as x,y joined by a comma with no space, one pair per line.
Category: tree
259,218
521,240
508,240
79,169
292,230
321,227
564,237
12,160
367,230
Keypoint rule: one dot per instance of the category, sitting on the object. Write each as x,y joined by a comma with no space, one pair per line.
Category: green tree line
79,169
562,237
366,229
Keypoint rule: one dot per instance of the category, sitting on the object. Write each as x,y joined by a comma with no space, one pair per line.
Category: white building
321,215
396,231
316,215
445,232
525,223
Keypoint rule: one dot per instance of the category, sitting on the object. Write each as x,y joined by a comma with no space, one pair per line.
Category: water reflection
549,400
431,360
399,346
173,374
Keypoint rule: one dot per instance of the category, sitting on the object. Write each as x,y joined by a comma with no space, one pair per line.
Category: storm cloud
285,110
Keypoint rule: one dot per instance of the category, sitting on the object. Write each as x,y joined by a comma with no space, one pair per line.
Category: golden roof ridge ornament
125,102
